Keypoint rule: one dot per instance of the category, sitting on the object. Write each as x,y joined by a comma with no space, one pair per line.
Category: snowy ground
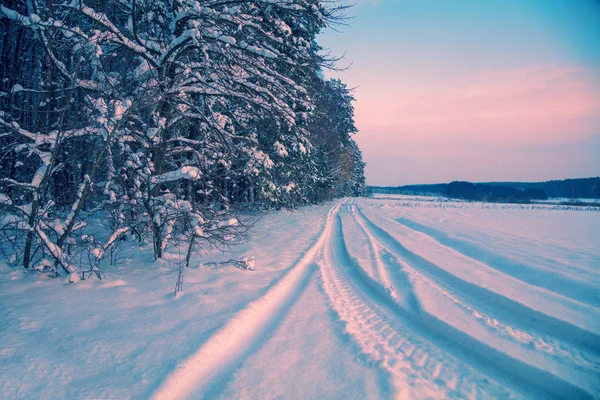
368,298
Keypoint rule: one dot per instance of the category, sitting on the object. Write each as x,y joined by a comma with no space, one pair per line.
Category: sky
478,90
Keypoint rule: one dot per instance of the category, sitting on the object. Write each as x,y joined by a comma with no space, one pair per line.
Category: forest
164,120
487,192
587,188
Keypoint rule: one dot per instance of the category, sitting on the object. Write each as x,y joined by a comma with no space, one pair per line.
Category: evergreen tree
163,115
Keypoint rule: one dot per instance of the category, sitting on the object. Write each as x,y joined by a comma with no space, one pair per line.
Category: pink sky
498,114
539,104
474,90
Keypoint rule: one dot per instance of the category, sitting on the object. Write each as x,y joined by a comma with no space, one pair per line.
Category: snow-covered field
361,298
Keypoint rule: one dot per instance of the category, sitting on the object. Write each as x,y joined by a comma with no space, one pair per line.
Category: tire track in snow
509,309
540,340
388,334
399,289
238,337
519,361
549,280
416,277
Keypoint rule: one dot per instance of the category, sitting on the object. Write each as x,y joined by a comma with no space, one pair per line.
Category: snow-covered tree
160,114
339,161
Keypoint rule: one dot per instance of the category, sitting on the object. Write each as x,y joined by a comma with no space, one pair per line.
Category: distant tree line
166,117
487,192
588,188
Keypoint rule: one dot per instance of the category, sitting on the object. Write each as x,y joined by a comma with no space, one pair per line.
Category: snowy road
378,299
439,323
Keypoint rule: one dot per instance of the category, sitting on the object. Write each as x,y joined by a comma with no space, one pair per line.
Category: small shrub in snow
246,263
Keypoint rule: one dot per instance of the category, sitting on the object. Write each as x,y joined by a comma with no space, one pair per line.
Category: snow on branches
162,115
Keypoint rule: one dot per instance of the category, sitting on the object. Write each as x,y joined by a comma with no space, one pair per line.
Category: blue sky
474,89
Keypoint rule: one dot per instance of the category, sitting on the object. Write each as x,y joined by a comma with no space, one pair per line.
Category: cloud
429,159
544,103
532,123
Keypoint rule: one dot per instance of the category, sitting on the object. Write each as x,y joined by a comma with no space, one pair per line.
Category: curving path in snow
393,337
433,315
234,341
535,361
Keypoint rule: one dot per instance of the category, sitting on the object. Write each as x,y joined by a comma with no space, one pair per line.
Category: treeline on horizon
165,117
502,191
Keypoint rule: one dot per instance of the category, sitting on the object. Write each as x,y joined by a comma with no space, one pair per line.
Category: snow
248,262
280,149
121,108
229,222
185,172
259,51
359,298
17,88
10,13
283,27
